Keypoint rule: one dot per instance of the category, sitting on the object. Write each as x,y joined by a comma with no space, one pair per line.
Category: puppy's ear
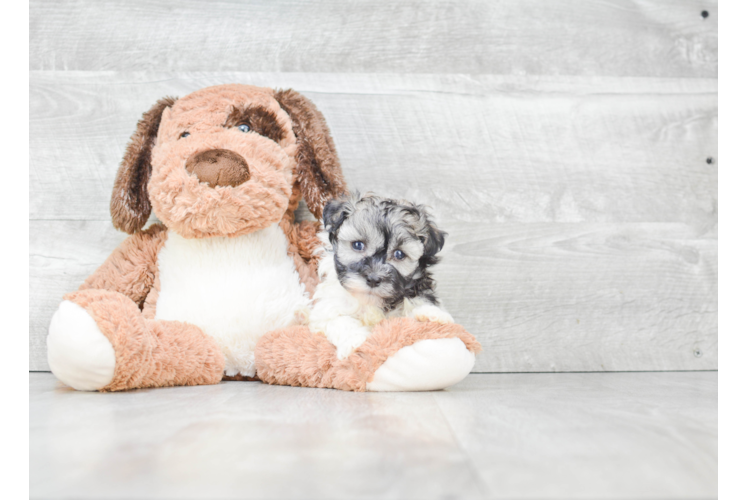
434,241
431,236
335,213
130,206
317,166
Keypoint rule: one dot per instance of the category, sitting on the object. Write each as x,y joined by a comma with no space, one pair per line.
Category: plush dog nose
373,281
218,167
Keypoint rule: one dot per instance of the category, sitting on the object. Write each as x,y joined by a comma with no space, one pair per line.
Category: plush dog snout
218,167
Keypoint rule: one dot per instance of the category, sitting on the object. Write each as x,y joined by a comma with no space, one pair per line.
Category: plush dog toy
216,290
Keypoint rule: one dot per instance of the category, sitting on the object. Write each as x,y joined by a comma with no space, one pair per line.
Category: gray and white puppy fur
378,252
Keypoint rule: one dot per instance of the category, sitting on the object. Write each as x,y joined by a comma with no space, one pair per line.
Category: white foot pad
78,353
427,365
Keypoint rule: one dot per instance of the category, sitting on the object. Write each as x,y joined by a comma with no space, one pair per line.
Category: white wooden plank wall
563,146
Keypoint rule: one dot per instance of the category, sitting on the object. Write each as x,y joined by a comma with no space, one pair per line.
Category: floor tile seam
472,466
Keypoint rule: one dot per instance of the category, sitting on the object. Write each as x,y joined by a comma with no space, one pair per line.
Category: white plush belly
235,289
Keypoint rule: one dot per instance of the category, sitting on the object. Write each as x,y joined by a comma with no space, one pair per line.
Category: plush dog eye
243,127
358,245
184,134
399,255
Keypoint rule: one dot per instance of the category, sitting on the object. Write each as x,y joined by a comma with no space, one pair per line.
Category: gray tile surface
570,435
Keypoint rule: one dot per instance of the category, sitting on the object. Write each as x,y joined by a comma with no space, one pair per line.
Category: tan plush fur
297,357
302,241
131,269
122,295
150,353
130,206
319,174
196,210
149,306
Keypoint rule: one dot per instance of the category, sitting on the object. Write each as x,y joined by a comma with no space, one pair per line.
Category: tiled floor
571,435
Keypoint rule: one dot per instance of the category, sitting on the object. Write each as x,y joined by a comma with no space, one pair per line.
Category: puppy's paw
345,333
371,315
347,346
301,316
430,312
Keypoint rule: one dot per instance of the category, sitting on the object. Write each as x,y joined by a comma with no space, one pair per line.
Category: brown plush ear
318,168
130,206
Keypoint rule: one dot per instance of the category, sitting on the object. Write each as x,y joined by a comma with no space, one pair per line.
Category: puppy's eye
184,134
399,255
358,246
243,127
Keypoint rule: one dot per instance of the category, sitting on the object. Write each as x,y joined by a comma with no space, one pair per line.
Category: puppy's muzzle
373,280
218,167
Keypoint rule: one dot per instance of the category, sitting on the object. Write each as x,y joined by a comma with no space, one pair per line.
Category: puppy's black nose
373,281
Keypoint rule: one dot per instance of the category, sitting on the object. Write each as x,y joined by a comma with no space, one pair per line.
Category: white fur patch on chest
344,319
235,289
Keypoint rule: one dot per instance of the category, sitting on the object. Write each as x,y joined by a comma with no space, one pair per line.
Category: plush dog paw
427,365
430,312
78,353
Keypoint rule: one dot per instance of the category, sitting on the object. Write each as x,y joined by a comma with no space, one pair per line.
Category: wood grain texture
666,38
540,297
584,296
485,148
61,256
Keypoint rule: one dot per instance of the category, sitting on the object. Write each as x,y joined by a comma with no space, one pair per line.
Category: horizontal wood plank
539,297
61,256
668,38
585,296
484,148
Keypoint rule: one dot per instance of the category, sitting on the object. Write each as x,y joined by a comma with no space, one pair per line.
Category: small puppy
377,255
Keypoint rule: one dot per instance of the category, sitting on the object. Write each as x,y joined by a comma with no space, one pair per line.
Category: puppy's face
223,162
382,246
